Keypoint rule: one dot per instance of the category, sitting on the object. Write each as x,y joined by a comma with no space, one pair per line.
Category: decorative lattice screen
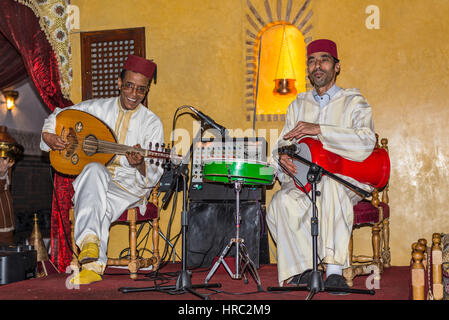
103,54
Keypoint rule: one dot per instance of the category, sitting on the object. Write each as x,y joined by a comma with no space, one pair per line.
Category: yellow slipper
86,277
89,253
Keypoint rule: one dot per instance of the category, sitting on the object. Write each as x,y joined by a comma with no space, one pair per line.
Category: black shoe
301,279
336,281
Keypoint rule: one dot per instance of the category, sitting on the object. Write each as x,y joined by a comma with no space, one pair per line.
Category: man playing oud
341,120
103,193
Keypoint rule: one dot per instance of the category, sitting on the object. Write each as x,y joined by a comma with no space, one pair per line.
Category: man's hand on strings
302,129
54,141
135,159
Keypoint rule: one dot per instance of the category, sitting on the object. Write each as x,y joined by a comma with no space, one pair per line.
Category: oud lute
91,140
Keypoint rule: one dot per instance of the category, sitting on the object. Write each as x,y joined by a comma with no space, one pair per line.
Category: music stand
316,283
183,282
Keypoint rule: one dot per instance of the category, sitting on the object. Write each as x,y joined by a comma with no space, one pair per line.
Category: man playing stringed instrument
103,193
341,120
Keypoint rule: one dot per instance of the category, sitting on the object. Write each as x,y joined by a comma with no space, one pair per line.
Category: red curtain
12,68
20,27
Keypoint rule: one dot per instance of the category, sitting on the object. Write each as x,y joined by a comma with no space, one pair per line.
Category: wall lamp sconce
285,75
11,96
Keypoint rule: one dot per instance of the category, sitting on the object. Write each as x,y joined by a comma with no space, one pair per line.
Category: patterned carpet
394,285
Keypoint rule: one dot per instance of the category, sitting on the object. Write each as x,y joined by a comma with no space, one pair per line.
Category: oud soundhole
90,145
72,142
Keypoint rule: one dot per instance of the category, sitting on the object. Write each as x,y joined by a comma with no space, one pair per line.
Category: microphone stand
183,282
316,283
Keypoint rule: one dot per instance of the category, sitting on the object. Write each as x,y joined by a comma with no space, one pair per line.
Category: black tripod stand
183,282
316,283
243,262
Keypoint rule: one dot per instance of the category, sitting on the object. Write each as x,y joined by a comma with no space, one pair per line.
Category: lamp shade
11,96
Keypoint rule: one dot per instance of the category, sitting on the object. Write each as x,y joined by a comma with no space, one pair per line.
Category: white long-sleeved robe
346,129
102,194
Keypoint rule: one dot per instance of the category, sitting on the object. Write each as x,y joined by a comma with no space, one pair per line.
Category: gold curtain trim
42,11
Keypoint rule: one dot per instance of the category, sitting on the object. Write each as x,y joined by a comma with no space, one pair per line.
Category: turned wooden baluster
437,271
418,269
418,275
422,246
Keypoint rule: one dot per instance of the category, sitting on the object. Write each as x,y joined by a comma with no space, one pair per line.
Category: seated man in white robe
103,193
341,120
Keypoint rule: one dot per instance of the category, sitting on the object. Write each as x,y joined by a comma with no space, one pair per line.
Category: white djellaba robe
102,194
347,129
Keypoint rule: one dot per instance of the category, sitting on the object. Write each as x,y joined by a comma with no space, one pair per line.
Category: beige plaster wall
401,69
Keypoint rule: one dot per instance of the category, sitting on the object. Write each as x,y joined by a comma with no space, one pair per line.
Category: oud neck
121,149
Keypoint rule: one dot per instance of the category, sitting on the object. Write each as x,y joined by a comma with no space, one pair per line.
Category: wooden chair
131,216
374,213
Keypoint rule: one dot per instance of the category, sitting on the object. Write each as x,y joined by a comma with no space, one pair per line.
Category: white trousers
98,202
289,221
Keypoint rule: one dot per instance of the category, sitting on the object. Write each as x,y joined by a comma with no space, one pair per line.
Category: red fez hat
141,65
322,45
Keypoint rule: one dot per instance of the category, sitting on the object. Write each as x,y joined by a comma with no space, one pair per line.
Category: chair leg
376,246
386,257
74,263
156,255
156,259
133,263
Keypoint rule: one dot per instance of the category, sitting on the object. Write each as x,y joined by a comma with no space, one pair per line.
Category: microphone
209,121
293,148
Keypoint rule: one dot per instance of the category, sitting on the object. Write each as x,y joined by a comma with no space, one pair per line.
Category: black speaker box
212,225
17,263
